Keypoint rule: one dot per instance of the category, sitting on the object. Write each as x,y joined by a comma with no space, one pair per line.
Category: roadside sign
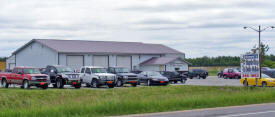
250,67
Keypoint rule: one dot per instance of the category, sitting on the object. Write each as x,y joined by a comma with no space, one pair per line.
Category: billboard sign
250,66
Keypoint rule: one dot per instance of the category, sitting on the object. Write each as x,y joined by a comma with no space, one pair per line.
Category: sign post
250,66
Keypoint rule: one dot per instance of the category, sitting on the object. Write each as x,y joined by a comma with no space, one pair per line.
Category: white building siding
175,55
88,59
10,62
147,57
36,55
177,64
150,68
112,60
62,59
135,62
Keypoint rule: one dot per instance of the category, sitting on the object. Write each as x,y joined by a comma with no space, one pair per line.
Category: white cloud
196,27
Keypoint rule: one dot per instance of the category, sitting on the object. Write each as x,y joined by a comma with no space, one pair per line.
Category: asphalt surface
258,110
209,81
213,81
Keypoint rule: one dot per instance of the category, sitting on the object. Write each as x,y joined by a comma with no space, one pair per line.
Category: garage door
124,61
101,61
11,65
75,62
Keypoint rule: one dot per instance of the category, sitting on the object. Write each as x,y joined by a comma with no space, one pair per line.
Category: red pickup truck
24,76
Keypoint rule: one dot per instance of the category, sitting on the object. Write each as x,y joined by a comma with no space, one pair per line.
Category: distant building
77,53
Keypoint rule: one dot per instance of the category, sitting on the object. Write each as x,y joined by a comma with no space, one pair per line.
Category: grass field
119,101
213,72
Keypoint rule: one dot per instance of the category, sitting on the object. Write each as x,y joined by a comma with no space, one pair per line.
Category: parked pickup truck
124,76
97,76
201,73
24,76
62,75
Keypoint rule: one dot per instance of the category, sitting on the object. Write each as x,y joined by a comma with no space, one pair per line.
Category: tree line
215,61
267,60
2,58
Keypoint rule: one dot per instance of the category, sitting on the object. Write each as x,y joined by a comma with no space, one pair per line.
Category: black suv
174,76
62,75
123,76
201,73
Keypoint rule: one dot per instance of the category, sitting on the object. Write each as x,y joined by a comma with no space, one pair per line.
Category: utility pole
260,53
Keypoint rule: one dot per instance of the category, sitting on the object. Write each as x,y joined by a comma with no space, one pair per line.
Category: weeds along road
257,110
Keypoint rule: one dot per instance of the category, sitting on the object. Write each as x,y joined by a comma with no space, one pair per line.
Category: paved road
260,110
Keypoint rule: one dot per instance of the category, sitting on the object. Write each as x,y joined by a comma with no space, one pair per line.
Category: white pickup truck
95,77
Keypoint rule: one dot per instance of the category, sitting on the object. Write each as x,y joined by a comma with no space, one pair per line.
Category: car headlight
33,78
64,76
125,77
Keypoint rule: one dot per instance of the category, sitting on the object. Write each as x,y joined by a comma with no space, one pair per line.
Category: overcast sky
195,27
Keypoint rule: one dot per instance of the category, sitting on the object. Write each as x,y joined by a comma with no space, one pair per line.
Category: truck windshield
176,73
64,69
122,70
99,70
31,71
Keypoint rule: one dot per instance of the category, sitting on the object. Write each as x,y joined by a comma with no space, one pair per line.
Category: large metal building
77,53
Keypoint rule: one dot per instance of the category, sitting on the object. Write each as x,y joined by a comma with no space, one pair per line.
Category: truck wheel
77,86
44,86
88,85
5,84
54,85
264,84
149,83
95,84
175,82
183,81
59,83
26,84
134,84
191,77
225,76
245,84
236,77
119,83
204,77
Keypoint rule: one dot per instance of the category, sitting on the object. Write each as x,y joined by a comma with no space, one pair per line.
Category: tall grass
119,101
